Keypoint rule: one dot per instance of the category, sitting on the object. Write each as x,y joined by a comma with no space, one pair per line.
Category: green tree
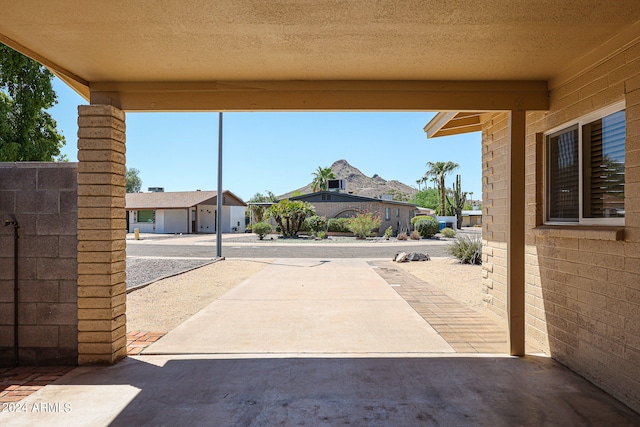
321,178
134,183
427,198
439,170
258,211
290,215
27,131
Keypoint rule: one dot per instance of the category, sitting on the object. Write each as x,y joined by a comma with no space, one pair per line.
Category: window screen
563,175
603,167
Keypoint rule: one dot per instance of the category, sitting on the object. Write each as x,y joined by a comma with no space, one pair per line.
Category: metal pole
220,196
16,344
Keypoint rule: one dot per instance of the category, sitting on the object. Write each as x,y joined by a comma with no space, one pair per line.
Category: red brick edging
18,383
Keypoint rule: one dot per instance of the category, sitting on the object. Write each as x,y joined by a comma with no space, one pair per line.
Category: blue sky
277,151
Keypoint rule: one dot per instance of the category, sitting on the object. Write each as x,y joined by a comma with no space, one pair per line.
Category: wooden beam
322,96
516,232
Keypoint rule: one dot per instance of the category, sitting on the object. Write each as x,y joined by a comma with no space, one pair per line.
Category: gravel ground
169,302
144,270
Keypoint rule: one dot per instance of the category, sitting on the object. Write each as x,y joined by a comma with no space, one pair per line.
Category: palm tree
438,171
321,178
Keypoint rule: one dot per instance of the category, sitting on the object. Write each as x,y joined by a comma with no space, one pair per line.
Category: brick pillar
101,235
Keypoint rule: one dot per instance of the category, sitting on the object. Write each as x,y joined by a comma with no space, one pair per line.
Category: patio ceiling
151,55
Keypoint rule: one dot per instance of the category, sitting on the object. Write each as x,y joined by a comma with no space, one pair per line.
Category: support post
220,195
516,232
102,337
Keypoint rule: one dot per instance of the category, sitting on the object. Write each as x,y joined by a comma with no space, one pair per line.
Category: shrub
316,224
427,227
402,236
419,218
321,235
467,249
261,229
290,215
448,232
388,232
338,225
363,224
415,235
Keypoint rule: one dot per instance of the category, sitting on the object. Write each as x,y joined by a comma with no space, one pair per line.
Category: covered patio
472,56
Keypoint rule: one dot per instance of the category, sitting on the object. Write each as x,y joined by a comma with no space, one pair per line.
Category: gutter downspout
13,222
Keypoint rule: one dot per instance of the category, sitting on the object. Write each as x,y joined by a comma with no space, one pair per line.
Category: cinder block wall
43,198
582,287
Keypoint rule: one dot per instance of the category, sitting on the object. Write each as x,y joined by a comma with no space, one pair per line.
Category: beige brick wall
101,235
494,216
582,286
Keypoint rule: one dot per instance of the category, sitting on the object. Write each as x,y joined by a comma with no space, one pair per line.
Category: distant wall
43,198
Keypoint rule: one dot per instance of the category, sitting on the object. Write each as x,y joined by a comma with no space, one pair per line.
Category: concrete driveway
306,306
319,343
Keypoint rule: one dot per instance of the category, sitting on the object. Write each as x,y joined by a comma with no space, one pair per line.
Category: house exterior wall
342,209
158,225
43,198
582,286
206,219
143,227
175,221
237,218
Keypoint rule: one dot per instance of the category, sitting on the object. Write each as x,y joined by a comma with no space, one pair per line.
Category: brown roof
178,199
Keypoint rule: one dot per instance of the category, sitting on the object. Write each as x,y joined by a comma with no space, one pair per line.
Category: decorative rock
401,257
417,256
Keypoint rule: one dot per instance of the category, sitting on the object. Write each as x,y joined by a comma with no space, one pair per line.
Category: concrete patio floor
321,343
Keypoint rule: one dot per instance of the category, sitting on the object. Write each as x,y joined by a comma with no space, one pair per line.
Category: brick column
101,235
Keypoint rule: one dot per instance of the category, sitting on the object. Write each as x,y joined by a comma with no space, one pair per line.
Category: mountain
360,184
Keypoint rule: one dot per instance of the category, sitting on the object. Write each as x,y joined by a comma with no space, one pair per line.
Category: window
146,216
386,214
585,164
397,212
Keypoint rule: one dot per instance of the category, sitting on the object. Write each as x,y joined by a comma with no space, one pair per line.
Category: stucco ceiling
172,41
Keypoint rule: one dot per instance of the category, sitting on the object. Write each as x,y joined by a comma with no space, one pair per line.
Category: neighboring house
184,212
471,218
331,204
425,211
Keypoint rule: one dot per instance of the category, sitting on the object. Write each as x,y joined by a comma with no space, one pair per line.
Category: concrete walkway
319,343
306,306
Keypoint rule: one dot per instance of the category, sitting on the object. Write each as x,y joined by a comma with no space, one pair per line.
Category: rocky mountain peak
360,184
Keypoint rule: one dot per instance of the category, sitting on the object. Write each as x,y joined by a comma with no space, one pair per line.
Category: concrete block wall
42,197
582,284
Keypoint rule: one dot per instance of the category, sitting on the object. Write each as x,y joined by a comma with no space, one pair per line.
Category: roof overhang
247,55
455,123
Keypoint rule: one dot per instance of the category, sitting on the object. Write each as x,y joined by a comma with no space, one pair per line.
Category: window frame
579,122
